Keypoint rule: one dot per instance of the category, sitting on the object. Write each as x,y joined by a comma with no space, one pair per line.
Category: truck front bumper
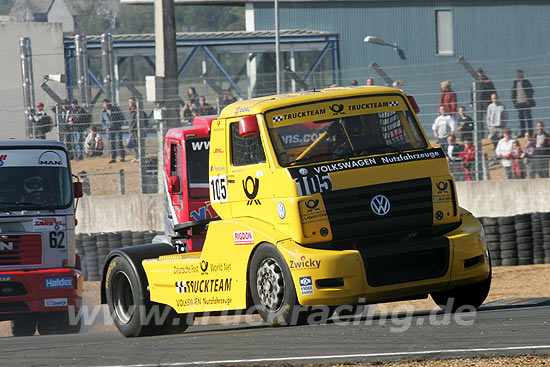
38,291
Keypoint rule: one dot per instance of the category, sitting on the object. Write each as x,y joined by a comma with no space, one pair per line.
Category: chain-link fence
136,142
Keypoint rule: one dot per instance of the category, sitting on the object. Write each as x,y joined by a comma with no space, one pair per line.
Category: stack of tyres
102,251
126,238
90,253
524,239
546,236
490,227
148,236
137,238
507,235
115,240
536,232
80,251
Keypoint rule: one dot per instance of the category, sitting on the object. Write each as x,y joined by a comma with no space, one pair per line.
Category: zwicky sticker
48,224
306,286
243,237
304,263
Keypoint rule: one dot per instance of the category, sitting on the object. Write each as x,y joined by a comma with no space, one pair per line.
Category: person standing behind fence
443,126
65,128
79,121
113,119
465,125
485,89
134,124
503,150
204,108
497,117
42,123
467,156
370,81
515,155
542,150
522,97
447,98
528,155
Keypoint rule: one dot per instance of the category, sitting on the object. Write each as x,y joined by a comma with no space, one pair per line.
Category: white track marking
336,356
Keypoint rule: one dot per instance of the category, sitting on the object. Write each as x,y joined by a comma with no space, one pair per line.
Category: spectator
136,122
485,89
188,111
497,117
204,108
113,119
542,149
467,156
93,145
522,97
398,84
453,151
517,164
79,124
354,83
42,123
528,155
443,126
447,98
465,125
65,128
370,81
193,96
227,99
503,150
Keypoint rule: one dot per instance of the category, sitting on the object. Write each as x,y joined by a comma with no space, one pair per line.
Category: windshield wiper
377,148
308,157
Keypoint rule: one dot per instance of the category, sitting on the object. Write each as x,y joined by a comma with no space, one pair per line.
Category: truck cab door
175,180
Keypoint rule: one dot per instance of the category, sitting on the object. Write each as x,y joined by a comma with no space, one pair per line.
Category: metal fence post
85,183
28,83
122,183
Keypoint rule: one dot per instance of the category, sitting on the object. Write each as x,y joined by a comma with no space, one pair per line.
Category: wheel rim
270,285
123,298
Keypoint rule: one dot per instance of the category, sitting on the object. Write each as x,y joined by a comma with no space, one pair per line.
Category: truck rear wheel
272,288
24,327
133,313
468,295
57,323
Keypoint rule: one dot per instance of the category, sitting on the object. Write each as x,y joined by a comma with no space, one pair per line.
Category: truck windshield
35,188
197,167
346,129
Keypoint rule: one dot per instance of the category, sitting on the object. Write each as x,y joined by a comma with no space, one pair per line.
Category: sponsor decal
300,114
59,282
50,158
243,238
108,274
200,145
7,245
56,302
3,157
310,211
48,224
204,267
442,187
306,286
251,192
204,285
216,169
5,278
308,182
366,106
380,205
442,193
337,109
239,110
281,210
202,212
218,150
186,269
312,205
218,189
370,162
305,263
221,266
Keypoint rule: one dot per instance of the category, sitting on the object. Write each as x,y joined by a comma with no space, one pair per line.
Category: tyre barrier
522,239
94,247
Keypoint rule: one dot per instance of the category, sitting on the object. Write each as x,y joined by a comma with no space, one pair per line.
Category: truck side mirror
77,188
248,126
174,185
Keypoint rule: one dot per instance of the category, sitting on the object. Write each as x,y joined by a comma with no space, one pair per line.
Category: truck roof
262,104
37,143
199,128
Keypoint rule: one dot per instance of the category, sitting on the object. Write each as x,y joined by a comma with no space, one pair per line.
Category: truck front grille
351,215
20,250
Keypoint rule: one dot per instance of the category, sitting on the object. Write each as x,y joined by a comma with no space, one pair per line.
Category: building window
444,32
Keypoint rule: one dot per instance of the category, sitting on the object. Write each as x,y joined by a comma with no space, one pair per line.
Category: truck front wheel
133,313
467,295
24,327
272,289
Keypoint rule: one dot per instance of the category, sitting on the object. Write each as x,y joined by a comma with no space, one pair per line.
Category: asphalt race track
504,328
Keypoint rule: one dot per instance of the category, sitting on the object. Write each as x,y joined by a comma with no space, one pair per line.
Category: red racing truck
40,272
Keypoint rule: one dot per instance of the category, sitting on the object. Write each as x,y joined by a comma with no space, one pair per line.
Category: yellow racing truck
324,198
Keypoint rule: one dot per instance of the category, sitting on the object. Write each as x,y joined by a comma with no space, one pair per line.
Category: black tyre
508,228
507,237
490,221
272,288
525,253
506,221
57,323
524,233
495,254
508,245
490,229
510,262
525,246
24,327
538,260
496,262
523,225
508,254
493,246
131,310
467,295
522,218
492,237
537,235
525,261
524,241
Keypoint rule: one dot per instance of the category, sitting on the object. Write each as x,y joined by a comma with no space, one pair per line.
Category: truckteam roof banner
334,108
32,158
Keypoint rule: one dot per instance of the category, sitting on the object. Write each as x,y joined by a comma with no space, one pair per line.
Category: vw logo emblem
303,171
380,205
281,210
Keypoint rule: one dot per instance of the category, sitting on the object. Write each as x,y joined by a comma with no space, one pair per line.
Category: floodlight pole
277,48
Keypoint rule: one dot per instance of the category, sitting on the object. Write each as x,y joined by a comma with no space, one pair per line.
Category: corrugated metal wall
499,36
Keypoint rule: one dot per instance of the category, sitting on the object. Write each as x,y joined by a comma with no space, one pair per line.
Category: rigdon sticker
48,224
